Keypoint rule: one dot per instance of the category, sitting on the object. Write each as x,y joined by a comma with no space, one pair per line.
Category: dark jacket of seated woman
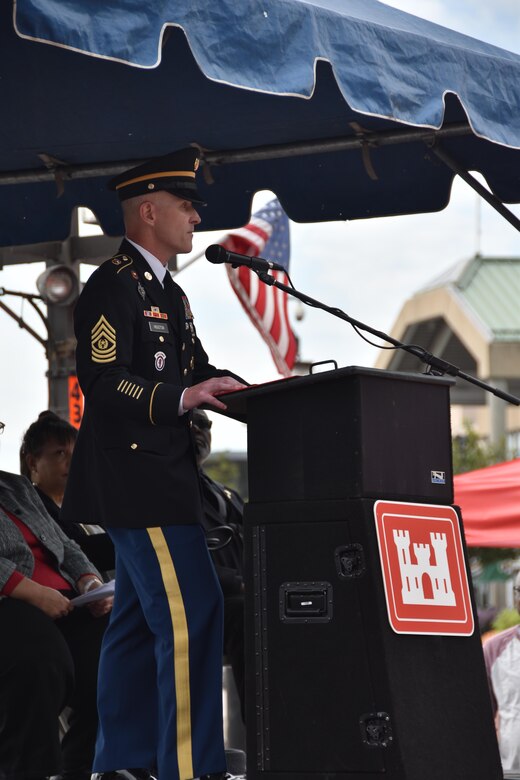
50,651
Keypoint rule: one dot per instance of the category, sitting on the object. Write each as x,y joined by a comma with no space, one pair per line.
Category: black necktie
168,282
171,293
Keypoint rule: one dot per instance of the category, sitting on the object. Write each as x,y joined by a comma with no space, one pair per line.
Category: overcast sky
367,268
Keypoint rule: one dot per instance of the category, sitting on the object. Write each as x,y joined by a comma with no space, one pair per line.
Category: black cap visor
186,194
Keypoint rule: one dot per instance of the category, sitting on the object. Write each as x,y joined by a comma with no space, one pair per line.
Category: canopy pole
493,201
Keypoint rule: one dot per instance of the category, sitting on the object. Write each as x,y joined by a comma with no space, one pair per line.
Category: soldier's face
175,221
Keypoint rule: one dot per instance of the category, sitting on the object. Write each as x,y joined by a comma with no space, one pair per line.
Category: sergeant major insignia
103,341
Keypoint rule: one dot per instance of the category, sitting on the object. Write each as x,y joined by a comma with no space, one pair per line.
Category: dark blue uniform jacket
133,464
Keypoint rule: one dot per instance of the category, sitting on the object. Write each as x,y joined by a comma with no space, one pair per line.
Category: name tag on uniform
158,327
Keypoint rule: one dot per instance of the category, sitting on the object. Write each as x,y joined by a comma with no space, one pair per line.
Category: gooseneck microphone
217,254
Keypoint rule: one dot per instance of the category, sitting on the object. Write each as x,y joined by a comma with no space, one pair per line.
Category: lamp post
59,287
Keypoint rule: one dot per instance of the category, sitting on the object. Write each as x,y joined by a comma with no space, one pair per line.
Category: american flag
267,234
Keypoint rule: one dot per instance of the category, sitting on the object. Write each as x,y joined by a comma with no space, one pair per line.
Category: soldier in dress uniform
142,370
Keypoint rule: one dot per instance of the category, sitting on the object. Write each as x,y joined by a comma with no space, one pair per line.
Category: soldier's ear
147,212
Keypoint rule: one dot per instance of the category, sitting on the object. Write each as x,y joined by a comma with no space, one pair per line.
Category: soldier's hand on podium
206,392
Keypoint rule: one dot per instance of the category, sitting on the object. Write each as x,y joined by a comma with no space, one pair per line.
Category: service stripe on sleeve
151,403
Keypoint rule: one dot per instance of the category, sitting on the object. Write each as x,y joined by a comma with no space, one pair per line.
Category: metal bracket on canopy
56,167
361,132
488,196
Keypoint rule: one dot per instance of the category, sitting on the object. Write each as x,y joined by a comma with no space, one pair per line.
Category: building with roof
470,317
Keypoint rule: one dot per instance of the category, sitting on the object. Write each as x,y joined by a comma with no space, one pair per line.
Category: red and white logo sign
424,575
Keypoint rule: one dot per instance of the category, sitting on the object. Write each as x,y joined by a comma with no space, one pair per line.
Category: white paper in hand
95,594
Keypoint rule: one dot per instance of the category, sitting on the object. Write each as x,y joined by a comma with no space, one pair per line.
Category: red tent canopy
490,502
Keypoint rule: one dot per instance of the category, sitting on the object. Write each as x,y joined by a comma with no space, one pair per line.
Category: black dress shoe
124,774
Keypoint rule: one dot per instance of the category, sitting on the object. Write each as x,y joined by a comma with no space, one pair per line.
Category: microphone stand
436,366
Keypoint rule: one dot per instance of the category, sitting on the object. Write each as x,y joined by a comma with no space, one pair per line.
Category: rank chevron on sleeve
103,341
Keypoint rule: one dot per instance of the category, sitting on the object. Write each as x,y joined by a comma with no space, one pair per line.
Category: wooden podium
333,692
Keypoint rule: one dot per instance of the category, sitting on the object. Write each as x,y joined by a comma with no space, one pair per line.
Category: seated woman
45,456
49,650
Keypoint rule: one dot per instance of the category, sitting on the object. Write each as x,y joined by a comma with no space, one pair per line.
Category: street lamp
58,285
59,288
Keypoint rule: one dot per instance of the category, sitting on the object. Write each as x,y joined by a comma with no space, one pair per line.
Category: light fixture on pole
58,285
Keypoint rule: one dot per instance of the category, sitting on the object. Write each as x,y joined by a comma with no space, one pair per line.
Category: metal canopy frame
94,248
58,169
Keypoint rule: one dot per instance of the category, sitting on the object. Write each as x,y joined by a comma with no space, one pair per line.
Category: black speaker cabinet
355,432
333,693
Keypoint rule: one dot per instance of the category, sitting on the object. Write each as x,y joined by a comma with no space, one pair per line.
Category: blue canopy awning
386,63
332,104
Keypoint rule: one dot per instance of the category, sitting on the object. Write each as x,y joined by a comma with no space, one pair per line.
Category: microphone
217,254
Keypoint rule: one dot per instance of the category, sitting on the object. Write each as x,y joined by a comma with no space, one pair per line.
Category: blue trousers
160,673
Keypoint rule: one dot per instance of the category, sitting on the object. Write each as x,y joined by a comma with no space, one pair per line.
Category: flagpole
193,259
188,263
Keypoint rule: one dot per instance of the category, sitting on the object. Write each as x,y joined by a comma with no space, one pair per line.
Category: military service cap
174,172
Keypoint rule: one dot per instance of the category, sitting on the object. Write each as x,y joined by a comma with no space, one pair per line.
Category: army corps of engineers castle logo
424,574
